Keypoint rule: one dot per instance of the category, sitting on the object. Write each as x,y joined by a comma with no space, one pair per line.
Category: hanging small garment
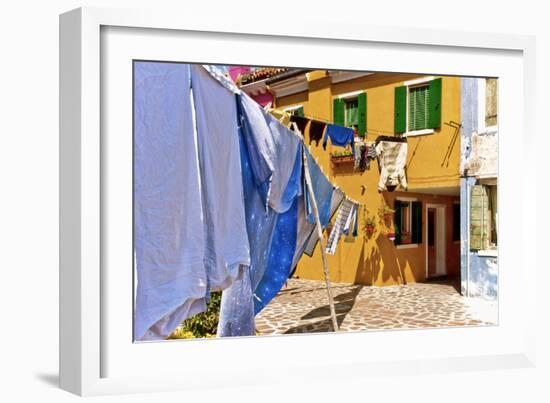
311,243
364,162
227,247
301,122
357,151
343,221
353,222
168,226
392,157
316,130
339,136
371,151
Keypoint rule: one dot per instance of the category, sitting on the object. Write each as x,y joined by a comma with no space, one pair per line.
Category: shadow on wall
394,267
369,267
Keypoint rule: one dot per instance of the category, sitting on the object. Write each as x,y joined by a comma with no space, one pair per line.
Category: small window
419,101
408,222
456,222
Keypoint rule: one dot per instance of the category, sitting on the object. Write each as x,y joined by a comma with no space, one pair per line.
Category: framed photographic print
344,199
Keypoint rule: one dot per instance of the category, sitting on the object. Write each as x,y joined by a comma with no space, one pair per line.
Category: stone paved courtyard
302,307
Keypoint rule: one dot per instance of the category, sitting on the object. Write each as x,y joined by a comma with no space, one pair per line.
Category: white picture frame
97,357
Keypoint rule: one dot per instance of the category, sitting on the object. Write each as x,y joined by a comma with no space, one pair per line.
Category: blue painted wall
479,274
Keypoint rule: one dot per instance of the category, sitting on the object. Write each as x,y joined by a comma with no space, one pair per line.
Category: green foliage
204,324
344,153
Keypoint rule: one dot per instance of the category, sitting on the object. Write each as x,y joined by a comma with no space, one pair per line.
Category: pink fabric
236,70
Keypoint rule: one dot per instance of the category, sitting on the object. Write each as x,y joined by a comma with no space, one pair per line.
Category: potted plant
386,214
391,234
370,223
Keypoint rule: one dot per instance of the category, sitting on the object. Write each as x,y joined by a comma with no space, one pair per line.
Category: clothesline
311,117
233,88
297,131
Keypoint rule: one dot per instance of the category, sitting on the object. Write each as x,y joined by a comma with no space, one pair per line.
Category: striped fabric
337,197
343,221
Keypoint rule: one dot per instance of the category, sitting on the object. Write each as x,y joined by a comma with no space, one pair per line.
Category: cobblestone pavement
302,307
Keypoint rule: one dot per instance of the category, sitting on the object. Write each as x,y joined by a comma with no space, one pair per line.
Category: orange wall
433,162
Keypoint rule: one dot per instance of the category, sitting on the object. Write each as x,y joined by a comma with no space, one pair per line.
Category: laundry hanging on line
316,130
301,122
392,156
339,136
270,230
183,249
337,198
343,220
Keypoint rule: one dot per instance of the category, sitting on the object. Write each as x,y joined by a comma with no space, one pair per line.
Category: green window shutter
418,108
434,111
400,109
416,222
479,213
298,111
338,112
362,105
397,221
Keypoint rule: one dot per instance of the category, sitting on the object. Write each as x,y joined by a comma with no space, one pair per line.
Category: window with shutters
350,110
417,106
408,222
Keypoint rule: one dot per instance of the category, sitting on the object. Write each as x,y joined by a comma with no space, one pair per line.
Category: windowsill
418,132
488,253
407,246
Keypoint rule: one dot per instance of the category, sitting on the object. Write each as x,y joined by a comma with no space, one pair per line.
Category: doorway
435,240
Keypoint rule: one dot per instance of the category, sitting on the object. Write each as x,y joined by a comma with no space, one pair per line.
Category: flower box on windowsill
337,159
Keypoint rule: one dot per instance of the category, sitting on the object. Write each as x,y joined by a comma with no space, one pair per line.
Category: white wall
28,197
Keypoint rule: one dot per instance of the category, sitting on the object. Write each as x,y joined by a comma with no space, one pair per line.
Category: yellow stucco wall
433,162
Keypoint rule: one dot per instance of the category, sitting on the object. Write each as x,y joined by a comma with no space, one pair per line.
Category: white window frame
409,200
419,82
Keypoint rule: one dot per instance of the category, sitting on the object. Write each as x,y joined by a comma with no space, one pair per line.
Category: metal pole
321,242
